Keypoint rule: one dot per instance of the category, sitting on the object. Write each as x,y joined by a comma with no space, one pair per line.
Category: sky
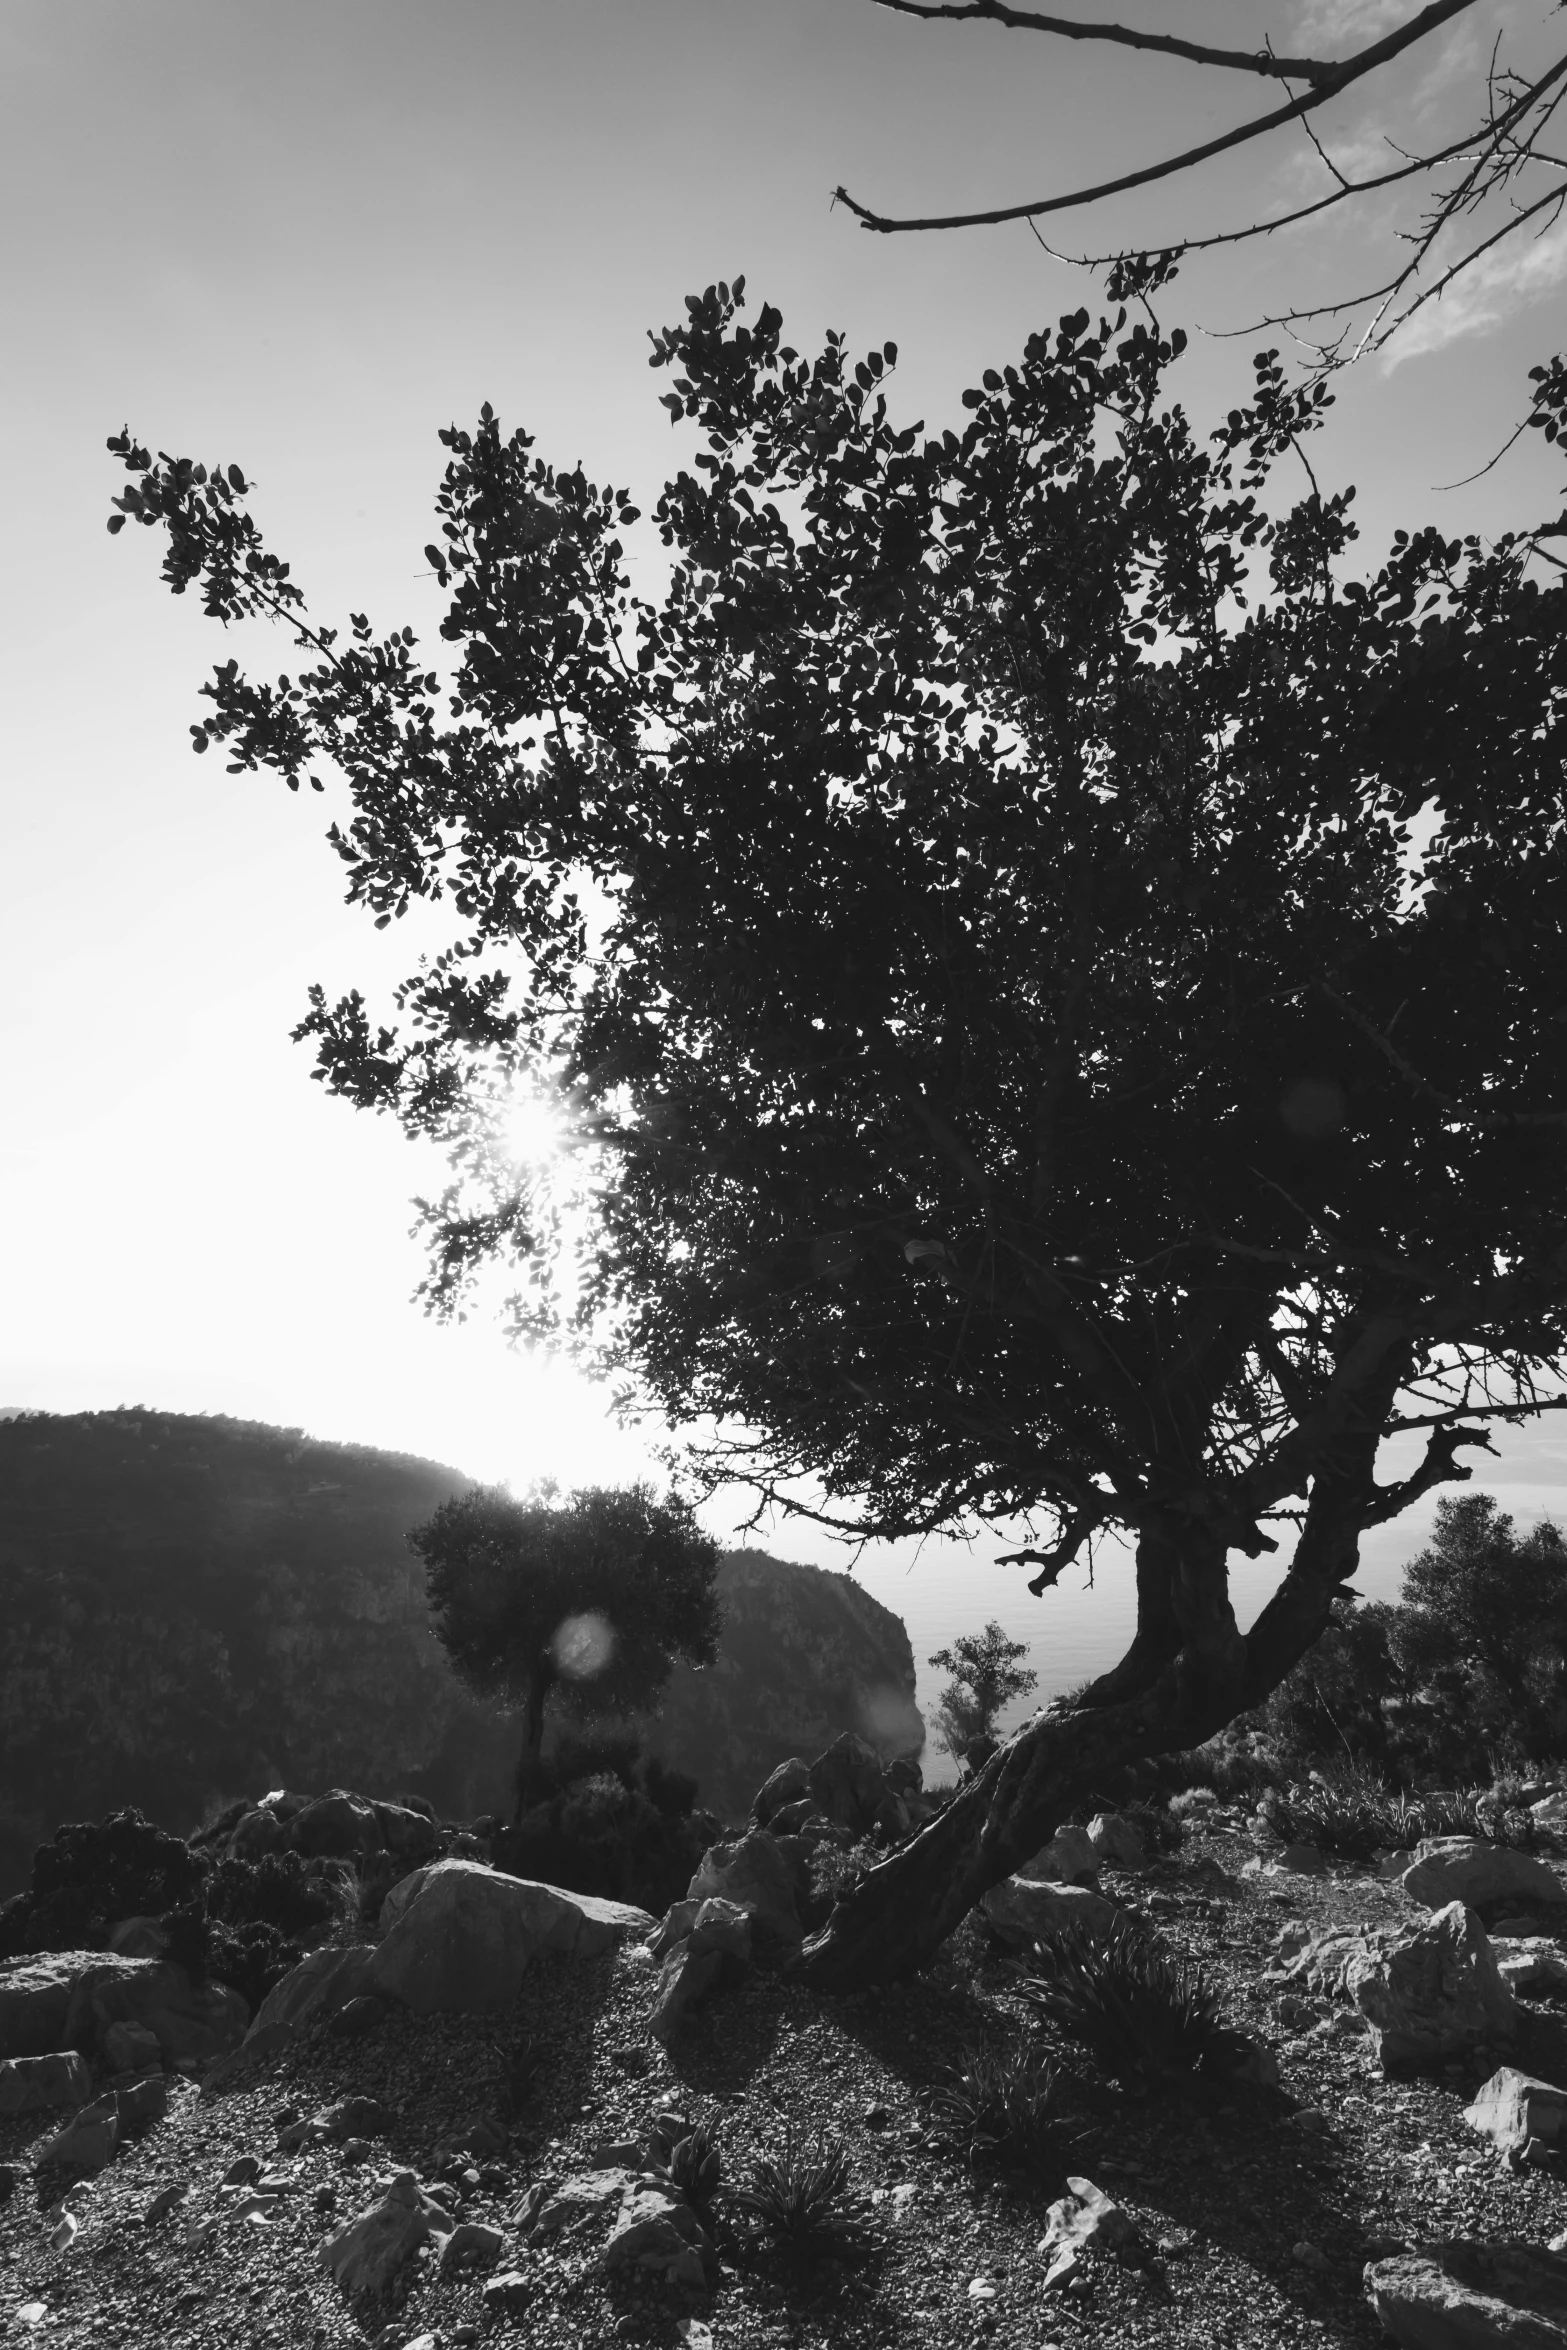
302,236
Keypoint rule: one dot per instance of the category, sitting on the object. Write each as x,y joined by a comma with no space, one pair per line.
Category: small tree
593,1599
986,1676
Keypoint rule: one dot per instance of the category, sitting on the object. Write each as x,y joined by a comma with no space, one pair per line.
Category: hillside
198,1608
202,1608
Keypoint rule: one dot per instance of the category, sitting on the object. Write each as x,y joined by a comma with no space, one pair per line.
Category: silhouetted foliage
591,1600
1021,1060
986,1676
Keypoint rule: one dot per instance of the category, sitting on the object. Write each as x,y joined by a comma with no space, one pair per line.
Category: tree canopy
1018,1058
592,1599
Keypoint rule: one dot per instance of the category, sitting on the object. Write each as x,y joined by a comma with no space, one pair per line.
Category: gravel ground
1257,2214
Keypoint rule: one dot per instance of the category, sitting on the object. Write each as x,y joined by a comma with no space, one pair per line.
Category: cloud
1332,24
1506,279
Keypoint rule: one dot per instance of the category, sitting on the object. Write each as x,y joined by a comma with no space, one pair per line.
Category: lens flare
531,1130
583,1645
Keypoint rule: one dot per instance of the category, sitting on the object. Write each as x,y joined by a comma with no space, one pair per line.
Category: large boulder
1481,1874
754,1874
35,2084
1466,2296
35,1999
336,1826
715,1949
323,1981
1433,1992
785,1786
1513,2107
1025,1910
192,2022
71,1999
803,1655
409,1835
1067,1859
460,1937
847,1786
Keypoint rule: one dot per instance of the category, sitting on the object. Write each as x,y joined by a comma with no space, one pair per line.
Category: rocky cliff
804,1655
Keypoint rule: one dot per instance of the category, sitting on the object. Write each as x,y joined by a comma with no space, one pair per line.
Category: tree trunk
1188,1673
530,1770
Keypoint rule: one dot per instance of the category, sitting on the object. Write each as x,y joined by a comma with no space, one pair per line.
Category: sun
531,1130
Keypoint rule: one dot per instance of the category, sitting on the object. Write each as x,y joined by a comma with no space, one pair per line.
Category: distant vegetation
201,1608
1464,1678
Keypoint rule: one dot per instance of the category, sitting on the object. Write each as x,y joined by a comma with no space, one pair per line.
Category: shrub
1139,2010
601,1836
278,1891
1000,2101
801,2195
91,1874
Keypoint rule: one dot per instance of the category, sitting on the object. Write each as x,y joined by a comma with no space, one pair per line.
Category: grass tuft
1140,2011
1000,2102
801,2195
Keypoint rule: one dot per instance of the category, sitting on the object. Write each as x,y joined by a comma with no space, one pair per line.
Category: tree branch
1352,69
1295,69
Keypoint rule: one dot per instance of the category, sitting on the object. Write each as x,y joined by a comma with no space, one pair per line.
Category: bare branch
1352,69
1295,69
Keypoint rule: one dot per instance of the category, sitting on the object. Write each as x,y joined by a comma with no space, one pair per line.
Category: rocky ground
1255,2212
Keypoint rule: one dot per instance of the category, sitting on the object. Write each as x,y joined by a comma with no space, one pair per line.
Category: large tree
593,1598
1020,1066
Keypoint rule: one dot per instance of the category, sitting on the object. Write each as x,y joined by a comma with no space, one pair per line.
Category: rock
473,2243
1115,1840
580,2196
1395,1864
659,2232
674,1926
35,1999
336,1825
1532,1963
88,2140
138,1938
786,1785
318,1986
365,2256
460,1936
1433,1991
847,1786
356,2117
1302,1860
753,1874
130,2048
257,1833
142,2103
1479,1873
35,2084
1512,2108
506,2295
1067,1859
716,1951
1084,2217
409,1835
804,1654
1022,1911
793,1819
358,2015
1466,2296
192,2022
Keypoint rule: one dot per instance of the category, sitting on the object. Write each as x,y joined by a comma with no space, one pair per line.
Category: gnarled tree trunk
1188,1672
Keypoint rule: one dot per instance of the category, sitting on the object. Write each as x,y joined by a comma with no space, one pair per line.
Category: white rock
1472,2297
1115,1840
1513,2107
1065,1860
1084,2217
1023,1911
1473,1870
1530,1963
460,1936
1434,1991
